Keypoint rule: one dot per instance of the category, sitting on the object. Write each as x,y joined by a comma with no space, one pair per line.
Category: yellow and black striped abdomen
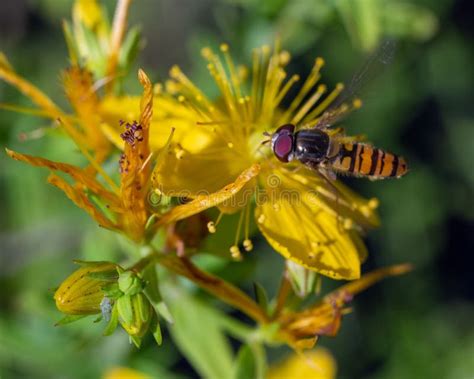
366,160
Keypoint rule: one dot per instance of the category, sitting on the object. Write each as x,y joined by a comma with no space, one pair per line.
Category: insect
328,150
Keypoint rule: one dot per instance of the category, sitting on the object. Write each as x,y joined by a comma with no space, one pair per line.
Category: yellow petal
203,202
298,227
81,294
337,199
79,175
315,364
88,12
78,197
125,373
183,173
167,114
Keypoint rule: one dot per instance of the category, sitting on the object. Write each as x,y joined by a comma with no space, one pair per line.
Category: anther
235,252
373,203
348,224
211,227
357,103
175,71
248,245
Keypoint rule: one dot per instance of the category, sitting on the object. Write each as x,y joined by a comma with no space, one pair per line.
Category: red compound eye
283,142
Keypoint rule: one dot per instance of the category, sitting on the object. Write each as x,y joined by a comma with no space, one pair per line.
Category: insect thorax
311,146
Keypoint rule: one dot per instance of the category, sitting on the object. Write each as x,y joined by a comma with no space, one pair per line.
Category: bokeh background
416,326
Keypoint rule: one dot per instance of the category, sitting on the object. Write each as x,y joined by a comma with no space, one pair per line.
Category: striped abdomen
366,160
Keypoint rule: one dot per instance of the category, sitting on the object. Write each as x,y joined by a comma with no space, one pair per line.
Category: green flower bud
129,283
81,293
135,314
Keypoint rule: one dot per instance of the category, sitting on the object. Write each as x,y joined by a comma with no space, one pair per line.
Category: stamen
309,104
211,225
327,101
373,203
348,224
286,88
319,283
133,132
179,151
248,246
235,253
232,71
309,83
239,228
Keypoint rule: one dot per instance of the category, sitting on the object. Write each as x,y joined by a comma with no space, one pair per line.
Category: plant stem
218,287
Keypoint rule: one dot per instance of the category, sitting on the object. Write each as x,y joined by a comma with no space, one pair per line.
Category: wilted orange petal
80,199
79,87
367,280
203,202
39,98
76,173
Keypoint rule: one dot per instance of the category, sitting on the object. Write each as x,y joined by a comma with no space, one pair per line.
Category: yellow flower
303,216
131,208
315,364
302,329
124,373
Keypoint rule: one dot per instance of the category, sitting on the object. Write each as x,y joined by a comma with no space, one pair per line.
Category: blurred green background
416,326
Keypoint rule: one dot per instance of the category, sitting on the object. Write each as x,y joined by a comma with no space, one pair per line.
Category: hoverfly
329,150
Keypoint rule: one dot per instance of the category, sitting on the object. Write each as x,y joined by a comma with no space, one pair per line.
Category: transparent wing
347,100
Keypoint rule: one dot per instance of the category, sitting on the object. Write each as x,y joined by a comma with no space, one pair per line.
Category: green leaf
362,19
137,341
106,276
70,41
113,322
125,309
245,365
156,331
68,319
261,296
198,333
130,48
162,309
152,290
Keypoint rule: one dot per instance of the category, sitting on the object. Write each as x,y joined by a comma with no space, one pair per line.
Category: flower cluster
181,154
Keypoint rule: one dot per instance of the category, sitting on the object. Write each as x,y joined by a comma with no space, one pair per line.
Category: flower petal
297,226
183,173
135,166
78,197
366,281
79,87
79,175
316,364
203,202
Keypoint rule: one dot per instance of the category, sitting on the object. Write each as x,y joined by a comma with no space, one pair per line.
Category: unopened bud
82,292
